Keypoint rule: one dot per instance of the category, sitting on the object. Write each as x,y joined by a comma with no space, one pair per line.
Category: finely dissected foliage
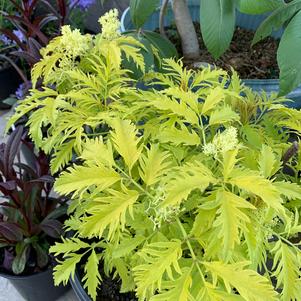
186,191
187,208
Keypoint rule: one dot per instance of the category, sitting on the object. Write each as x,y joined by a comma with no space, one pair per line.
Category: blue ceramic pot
250,22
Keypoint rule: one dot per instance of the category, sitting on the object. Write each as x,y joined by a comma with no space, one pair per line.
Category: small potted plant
30,221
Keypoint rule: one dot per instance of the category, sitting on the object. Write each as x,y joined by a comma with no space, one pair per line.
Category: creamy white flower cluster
110,25
222,142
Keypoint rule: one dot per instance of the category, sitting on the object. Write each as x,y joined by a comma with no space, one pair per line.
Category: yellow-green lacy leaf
250,285
177,290
215,96
160,261
291,191
287,270
252,182
127,245
229,162
223,115
108,212
92,276
68,245
267,161
62,156
231,220
153,164
183,180
79,179
125,141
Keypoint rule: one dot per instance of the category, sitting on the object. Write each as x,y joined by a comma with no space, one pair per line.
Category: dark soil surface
259,61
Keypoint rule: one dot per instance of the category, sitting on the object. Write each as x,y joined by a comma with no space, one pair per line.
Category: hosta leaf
267,161
92,276
289,56
79,179
231,219
250,285
125,141
223,115
252,182
66,269
153,165
177,290
160,258
108,211
183,180
215,96
287,271
217,25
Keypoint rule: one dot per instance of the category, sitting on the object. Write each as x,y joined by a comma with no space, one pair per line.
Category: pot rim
15,277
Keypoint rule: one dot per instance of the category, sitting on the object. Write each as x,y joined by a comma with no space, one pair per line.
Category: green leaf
153,165
267,161
79,179
159,258
108,211
178,290
20,260
42,255
92,276
141,11
292,191
217,24
214,97
289,56
259,6
250,285
127,246
125,141
231,219
287,271
223,115
66,269
276,20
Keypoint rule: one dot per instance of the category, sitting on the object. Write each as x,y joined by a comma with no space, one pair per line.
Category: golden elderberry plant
77,81
193,193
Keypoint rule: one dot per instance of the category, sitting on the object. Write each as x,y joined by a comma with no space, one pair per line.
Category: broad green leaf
178,290
276,20
215,96
259,6
79,179
286,271
141,11
66,269
92,276
252,182
108,212
289,56
231,219
183,180
250,285
125,141
217,24
223,115
267,161
153,165
159,258
21,258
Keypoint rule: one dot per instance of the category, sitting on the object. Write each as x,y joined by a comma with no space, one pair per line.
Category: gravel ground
7,291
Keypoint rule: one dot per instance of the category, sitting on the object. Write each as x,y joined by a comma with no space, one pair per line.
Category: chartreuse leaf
92,276
177,290
223,115
78,179
125,141
291,191
267,161
108,212
66,269
127,246
68,245
286,269
215,96
183,180
229,162
250,285
252,182
289,56
153,164
160,260
62,156
259,6
217,24
231,219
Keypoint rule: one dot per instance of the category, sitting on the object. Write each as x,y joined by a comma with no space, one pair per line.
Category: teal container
250,22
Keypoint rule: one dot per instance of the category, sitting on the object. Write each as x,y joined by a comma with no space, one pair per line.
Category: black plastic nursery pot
250,22
37,287
9,82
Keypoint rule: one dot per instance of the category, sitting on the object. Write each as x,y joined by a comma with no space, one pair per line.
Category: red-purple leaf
9,185
11,231
52,227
